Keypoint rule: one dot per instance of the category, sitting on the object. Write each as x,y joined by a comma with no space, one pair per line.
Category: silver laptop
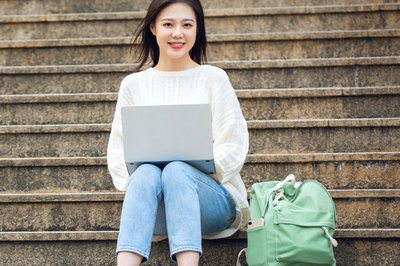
160,134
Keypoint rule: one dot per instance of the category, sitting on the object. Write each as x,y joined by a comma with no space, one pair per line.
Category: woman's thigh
217,209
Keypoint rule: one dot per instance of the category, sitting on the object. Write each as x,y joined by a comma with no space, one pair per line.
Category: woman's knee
146,174
177,172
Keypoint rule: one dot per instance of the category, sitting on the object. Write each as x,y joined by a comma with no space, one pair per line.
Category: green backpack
291,224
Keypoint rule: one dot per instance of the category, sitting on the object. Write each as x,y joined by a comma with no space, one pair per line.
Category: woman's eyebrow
171,19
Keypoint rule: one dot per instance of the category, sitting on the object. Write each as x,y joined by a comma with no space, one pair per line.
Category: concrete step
66,6
258,104
101,211
324,135
329,135
268,136
98,248
221,47
371,170
246,74
245,20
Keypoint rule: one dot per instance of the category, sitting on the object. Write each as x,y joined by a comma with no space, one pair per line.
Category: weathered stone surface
344,175
58,216
68,29
216,252
314,77
56,179
308,140
100,215
65,6
54,144
265,137
367,252
57,113
237,21
58,253
321,107
285,49
86,174
78,111
382,75
352,213
217,51
303,22
257,78
61,83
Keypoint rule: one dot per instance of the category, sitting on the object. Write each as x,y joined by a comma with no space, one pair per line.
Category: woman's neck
175,65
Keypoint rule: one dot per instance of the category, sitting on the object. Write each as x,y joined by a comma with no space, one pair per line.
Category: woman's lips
176,45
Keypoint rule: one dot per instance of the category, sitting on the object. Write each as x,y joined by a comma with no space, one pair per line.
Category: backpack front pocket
305,241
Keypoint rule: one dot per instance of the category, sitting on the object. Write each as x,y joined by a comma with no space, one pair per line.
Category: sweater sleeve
231,139
115,151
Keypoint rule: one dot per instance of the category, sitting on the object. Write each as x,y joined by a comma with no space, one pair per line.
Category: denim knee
177,173
146,176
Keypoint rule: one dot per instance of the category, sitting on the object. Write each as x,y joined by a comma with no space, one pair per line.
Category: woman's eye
188,25
167,24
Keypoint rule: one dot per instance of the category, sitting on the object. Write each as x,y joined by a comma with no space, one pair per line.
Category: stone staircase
318,83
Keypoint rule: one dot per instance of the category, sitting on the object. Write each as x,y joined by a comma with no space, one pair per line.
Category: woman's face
175,29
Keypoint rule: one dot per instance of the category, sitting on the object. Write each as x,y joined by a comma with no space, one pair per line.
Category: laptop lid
160,134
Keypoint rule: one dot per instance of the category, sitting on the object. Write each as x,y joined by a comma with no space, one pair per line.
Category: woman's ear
153,29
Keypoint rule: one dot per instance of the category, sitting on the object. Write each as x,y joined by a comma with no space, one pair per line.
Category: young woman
179,201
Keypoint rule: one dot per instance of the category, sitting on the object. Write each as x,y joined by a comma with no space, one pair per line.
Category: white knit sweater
202,84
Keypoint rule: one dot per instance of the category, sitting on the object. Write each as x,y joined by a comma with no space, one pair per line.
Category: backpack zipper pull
333,241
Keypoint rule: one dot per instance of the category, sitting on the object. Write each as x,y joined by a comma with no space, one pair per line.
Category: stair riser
56,178
324,107
333,175
215,252
75,216
61,83
58,113
65,6
309,140
253,109
217,51
297,77
301,140
340,76
304,22
54,144
232,24
93,216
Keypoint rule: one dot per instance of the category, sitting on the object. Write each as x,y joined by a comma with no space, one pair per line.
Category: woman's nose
177,33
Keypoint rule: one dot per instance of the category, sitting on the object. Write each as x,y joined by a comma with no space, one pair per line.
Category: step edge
228,65
322,157
324,123
250,159
53,161
211,38
241,94
316,92
208,13
341,233
112,235
251,124
59,98
40,197
57,128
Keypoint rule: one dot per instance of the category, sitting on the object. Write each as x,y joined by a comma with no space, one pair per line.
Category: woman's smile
176,45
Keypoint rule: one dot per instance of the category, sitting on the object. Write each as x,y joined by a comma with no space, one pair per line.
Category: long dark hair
147,41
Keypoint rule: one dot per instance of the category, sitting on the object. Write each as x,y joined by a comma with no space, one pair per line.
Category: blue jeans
179,201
